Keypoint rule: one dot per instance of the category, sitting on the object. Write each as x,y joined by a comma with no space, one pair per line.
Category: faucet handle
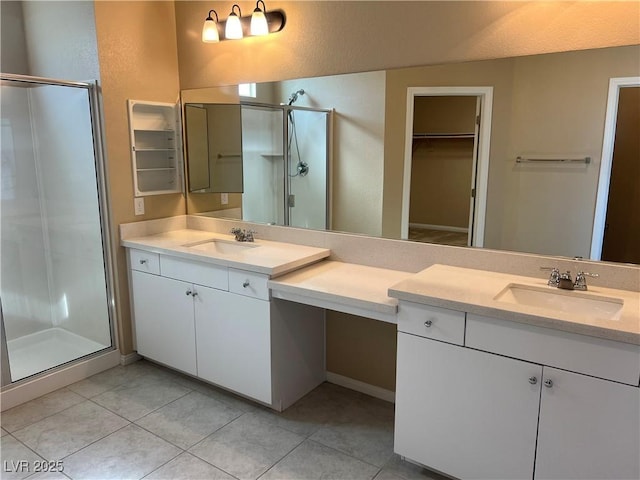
581,280
554,276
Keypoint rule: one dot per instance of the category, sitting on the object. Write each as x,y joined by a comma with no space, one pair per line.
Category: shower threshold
40,351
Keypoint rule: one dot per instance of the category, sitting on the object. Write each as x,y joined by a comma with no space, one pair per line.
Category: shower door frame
17,392
286,154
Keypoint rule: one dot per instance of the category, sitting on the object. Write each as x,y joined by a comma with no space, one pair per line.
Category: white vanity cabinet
234,342
163,311
589,428
502,403
188,316
466,413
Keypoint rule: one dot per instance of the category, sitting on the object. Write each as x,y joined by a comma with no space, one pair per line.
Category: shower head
294,96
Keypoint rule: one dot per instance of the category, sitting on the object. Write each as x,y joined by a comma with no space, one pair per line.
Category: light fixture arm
215,13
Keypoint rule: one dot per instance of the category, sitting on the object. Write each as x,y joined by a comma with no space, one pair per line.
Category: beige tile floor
145,421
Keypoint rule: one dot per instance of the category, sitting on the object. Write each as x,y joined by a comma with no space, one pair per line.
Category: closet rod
586,160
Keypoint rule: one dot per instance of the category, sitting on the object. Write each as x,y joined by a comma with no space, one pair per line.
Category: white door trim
482,170
606,161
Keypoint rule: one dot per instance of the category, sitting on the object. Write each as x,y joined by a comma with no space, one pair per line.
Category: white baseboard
129,358
444,228
358,386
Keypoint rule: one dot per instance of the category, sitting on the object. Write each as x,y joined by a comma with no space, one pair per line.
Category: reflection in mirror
544,106
287,158
213,145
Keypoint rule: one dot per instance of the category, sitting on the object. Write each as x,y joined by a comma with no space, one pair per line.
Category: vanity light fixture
210,29
236,26
233,29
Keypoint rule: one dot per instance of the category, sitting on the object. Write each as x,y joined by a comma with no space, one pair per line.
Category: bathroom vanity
201,305
491,387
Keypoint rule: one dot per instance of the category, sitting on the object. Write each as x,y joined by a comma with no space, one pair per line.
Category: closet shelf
164,169
427,136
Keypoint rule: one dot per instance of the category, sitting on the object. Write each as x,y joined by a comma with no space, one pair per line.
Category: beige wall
327,37
138,60
13,47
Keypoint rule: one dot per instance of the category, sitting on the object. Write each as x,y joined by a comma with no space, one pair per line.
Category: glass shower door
308,168
53,276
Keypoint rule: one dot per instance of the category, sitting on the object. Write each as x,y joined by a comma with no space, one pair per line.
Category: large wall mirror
403,163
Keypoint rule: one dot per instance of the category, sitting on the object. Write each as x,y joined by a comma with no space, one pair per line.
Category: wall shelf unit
155,147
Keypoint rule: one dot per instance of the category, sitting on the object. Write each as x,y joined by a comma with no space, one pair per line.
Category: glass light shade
210,31
259,24
233,30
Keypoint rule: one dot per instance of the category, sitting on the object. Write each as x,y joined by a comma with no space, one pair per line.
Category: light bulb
233,30
210,29
259,24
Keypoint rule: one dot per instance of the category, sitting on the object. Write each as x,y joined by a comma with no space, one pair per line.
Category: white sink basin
567,301
224,247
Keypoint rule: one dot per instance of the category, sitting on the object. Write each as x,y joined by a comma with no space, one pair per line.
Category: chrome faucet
564,280
243,235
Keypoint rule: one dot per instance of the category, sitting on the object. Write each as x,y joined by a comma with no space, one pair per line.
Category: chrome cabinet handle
188,292
142,262
194,294
246,283
548,383
428,323
533,380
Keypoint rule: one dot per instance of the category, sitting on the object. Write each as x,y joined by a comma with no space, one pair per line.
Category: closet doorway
446,164
616,233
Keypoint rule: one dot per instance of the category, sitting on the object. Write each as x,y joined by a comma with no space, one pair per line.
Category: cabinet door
589,428
233,338
164,323
467,413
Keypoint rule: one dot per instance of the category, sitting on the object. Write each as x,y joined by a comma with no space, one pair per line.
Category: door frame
480,174
606,162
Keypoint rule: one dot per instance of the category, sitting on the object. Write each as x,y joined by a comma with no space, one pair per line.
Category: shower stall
55,276
286,152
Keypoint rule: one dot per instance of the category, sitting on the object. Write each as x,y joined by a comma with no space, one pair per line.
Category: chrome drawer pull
246,284
533,380
428,323
548,383
142,262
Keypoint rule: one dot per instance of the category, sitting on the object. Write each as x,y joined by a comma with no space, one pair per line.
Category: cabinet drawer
593,356
249,284
200,273
431,322
144,261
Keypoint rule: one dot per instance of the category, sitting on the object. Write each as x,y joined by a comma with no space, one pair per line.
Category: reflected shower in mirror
278,154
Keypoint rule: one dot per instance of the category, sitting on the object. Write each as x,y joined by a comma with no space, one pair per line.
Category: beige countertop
344,287
261,256
475,291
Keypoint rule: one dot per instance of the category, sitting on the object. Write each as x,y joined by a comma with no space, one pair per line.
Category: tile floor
145,421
